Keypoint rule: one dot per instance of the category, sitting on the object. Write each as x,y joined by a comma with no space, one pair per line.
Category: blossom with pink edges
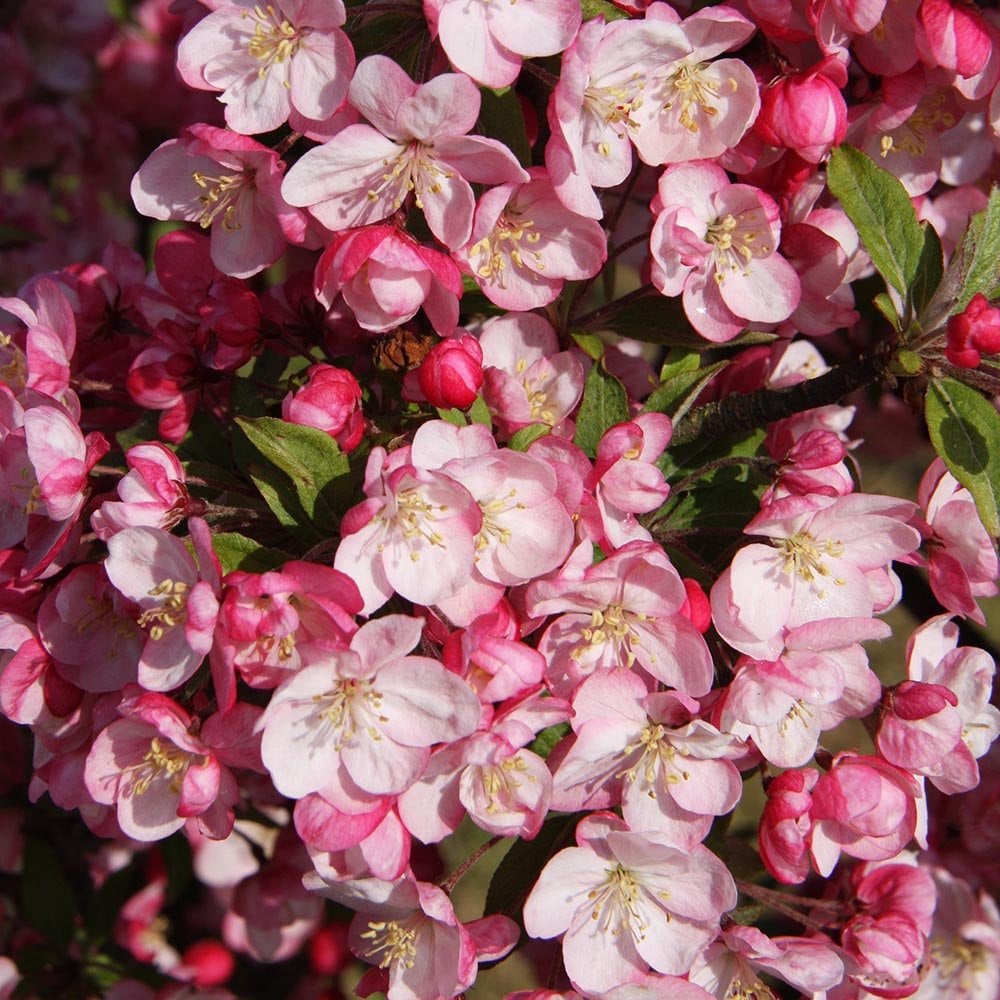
330,400
716,242
416,142
288,58
626,902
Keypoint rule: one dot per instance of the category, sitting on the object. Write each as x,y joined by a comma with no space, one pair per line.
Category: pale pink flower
732,964
488,40
592,109
415,535
418,144
716,242
622,611
359,724
528,380
386,276
626,902
152,493
286,58
177,598
526,244
225,182
961,559
668,767
698,107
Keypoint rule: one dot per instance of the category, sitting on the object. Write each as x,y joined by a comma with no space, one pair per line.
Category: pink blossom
358,724
806,111
330,399
668,767
177,598
862,806
385,276
624,902
622,611
528,380
452,373
418,144
972,332
785,825
226,183
715,241
526,244
488,41
953,36
288,58
414,535
151,493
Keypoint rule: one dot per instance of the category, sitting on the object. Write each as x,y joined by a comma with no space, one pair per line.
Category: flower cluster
399,503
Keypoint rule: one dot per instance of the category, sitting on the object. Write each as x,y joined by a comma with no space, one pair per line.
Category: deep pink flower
452,373
331,401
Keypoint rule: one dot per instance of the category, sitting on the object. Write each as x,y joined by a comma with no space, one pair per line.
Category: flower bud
331,401
452,373
973,332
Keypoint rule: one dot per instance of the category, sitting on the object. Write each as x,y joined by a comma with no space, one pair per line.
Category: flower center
656,758
804,556
611,625
391,942
613,106
13,370
273,41
735,243
691,92
501,782
162,760
492,529
510,239
912,136
414,517
352,706
411,170
958,963
221,198
172,610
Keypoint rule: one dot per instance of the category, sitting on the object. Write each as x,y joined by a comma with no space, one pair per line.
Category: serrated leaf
930,269
479,413
545,741
518,871
47,899
882,213
677,394
319,471
523,439
236,551
605,403
501,117
965,431
589,343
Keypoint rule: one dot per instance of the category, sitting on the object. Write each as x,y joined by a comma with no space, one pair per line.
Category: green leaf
653,318
518,871
677,394
279,495
452,416
971,269
479,412
545,741
523,439
881,211
601,8
605,403
589,343
884,304
930,269
236,551
501,117
965,431
47,898
319,471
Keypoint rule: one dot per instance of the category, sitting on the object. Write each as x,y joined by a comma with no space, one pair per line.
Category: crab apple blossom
417,142
669,769
716,242
358,724
452,373
385,276
158,770
591,110
785,825
330,399
227,183
177,598
526,244
973,332
288,58
626,902
863,807
624,611
488,41
528,379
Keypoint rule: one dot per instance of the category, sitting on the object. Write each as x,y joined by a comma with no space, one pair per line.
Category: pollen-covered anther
221,198
273,41
391,942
